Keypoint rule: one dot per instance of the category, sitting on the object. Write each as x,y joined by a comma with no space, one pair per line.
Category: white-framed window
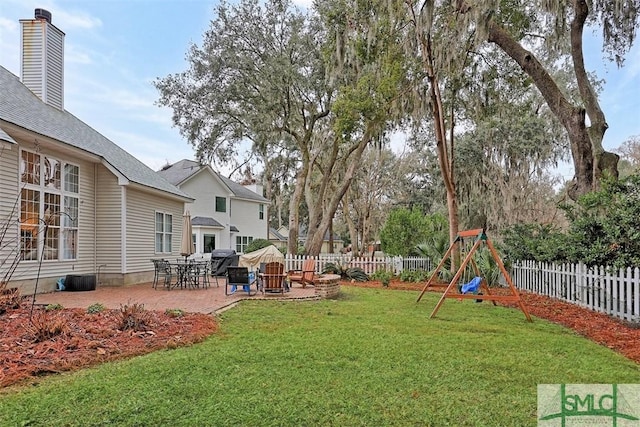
48,201
164,232
242,242
261,211
221,204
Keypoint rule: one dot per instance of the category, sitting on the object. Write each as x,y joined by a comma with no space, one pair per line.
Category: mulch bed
86,339
26,352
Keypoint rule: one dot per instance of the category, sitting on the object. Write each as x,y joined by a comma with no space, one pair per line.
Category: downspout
266,220
123,225
95,217
231,245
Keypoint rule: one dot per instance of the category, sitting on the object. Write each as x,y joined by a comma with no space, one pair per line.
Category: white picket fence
368,264
597,288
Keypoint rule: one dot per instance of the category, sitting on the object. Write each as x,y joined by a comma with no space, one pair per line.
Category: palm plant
346,272
488,267
435,248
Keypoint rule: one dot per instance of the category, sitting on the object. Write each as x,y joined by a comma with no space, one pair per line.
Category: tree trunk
583,147
294,206
445,155
605,163
314,243
353,234
331,236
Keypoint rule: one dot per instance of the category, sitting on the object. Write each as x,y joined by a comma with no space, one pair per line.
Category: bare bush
46,325
133,317
9,299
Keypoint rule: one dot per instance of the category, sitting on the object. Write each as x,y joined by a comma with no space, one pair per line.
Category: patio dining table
188,273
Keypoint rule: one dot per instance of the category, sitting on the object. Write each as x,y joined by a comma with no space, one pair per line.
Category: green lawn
370,358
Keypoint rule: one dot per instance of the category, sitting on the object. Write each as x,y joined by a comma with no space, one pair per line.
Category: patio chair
198,274
304,276
168,273
203,273
239,276
273,278
158,269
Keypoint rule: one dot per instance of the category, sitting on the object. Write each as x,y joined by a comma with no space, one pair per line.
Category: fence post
580,284
635,317
629,294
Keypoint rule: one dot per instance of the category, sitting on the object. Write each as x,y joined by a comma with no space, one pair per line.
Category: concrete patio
194,300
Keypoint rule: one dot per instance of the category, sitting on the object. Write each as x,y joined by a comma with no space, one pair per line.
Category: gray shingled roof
20,107
5,137
205,221
277,234
180,171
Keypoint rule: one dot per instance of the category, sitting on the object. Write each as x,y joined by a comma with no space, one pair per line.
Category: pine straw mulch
26,351
620,336
89,339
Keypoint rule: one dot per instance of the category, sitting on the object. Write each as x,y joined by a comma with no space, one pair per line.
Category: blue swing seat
472,286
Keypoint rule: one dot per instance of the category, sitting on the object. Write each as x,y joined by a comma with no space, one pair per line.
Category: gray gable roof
5,137
205,221
21,107
277,234
180,171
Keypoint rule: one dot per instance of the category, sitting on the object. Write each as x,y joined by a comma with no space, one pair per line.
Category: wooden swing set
452,291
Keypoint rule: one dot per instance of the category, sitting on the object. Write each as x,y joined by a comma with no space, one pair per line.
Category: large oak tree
518,29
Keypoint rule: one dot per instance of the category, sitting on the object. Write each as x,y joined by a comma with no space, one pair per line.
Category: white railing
368,264
616,293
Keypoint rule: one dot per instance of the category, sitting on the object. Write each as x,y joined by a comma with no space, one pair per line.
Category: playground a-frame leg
451,290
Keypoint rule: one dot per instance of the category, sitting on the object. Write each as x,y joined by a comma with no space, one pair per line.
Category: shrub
538,242
444,275
96,308
403,230
174,312
53,307
383,276
46,325
414,276
603,230
345,272
134,317
488,267
257,244
9,299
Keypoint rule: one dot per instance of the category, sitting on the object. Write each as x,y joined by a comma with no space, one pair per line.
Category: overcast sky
114,49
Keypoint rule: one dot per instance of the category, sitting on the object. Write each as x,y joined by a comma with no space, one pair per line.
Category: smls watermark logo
573,405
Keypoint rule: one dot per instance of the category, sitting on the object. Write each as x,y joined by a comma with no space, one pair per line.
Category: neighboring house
224,214
278,239
105,211
283,233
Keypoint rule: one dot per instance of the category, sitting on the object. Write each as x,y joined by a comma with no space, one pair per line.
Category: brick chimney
42,58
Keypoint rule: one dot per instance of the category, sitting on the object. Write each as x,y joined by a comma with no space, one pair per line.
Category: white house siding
8,190
33,42
42,60
50,270
140,232
108,219
54,69
207,187
245,215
